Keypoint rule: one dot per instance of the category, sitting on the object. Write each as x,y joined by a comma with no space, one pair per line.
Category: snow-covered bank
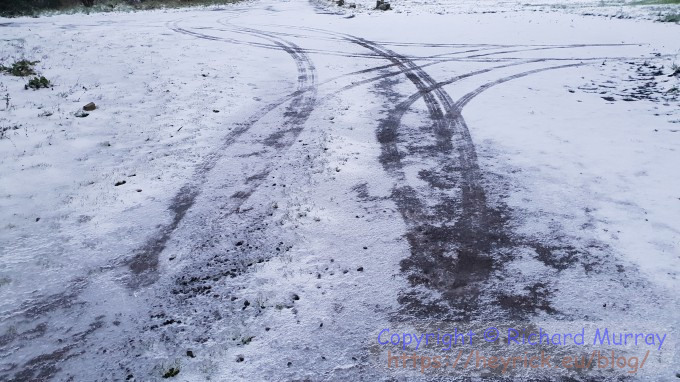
664,11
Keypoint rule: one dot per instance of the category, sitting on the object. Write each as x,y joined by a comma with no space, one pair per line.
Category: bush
38,82
13,8
21,68
10,8
671,18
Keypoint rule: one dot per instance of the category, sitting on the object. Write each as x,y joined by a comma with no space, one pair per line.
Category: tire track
145,261
433,237
143,265
185,198
459,242
450,243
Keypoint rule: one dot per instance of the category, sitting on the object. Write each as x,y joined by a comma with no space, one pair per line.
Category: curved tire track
145,262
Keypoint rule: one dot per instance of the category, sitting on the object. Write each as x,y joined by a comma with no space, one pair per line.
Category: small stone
296,297
90,106
360,269
190,354
120,183
37,219
139,190
382,5
240,358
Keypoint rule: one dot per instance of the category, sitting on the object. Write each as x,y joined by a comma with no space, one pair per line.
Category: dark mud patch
460,243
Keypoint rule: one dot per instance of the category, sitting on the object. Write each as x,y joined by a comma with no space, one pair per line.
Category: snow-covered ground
299,176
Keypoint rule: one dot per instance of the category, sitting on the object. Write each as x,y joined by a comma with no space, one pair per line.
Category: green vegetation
171,372
13,8
38,82
671,18
26,7
655,2
20,68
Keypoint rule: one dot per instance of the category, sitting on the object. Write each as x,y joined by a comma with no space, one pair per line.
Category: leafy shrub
20,68
38,82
